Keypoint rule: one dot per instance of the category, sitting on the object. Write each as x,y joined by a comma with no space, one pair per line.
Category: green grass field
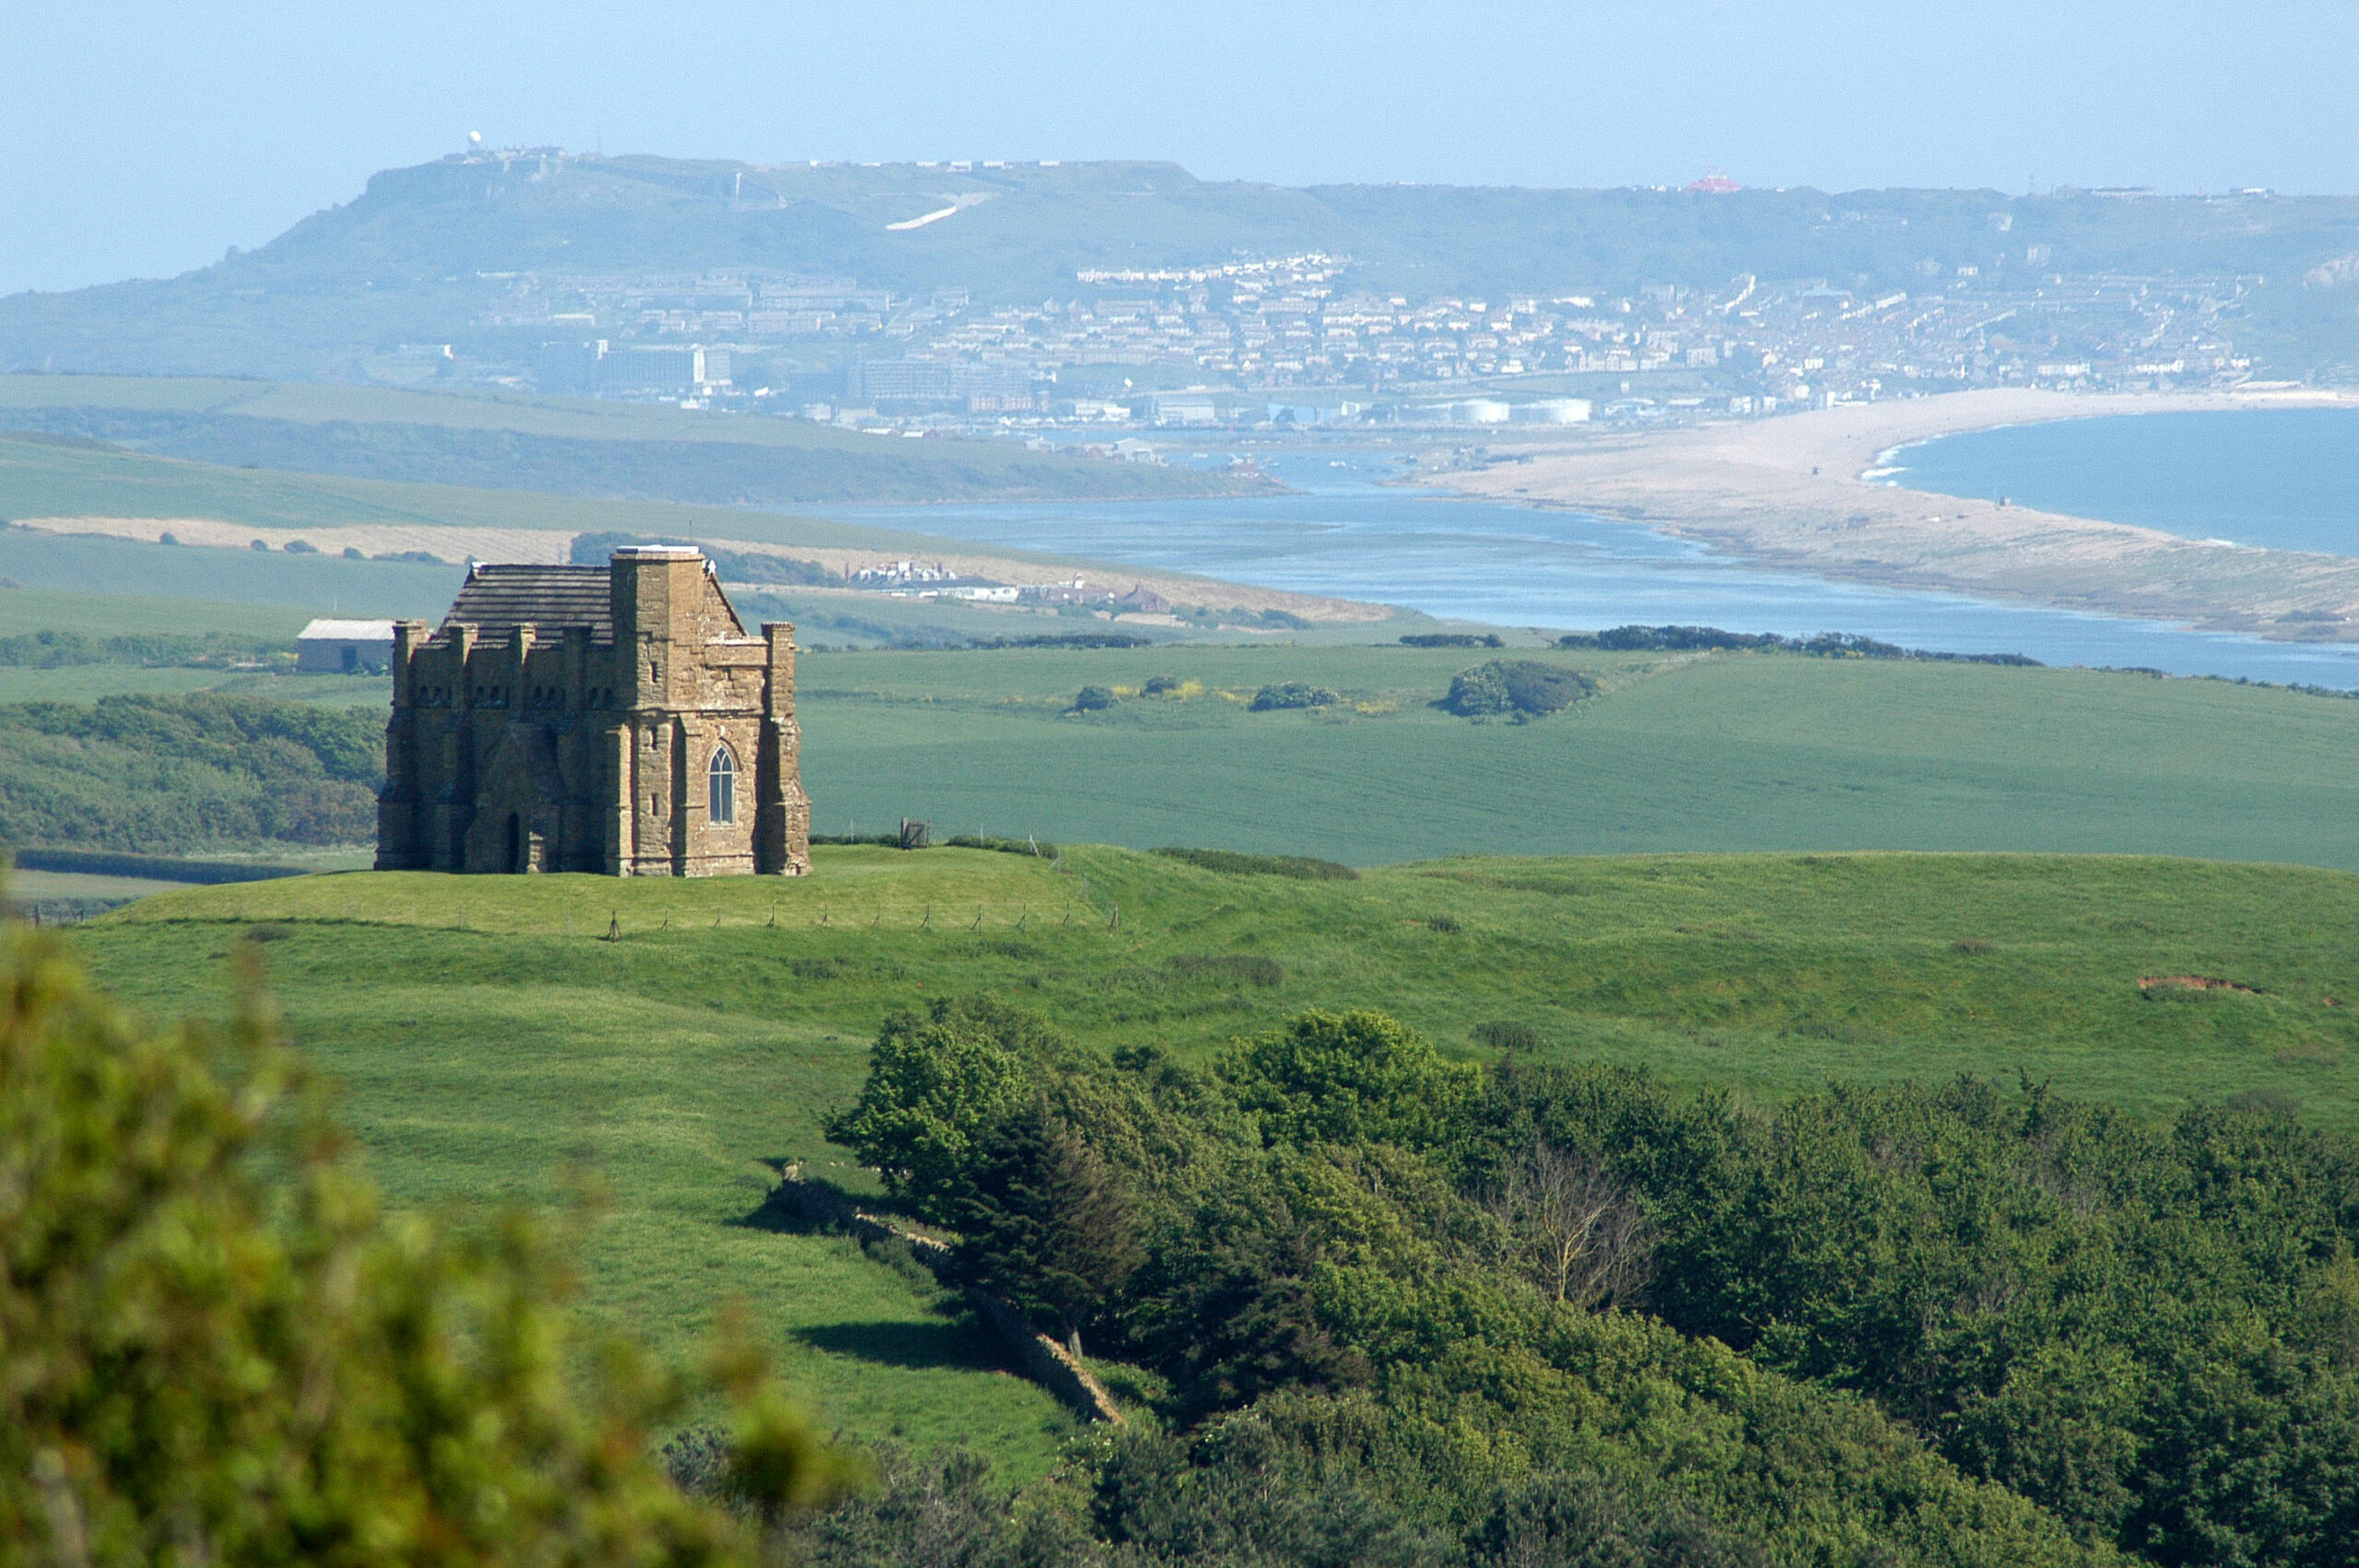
1729,751
1725,751
485,1036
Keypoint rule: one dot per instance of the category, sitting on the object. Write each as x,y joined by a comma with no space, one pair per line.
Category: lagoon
1346,532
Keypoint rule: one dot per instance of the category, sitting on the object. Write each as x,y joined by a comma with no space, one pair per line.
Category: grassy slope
565,445
50,478
486,1038
46,478
119,615
1730,752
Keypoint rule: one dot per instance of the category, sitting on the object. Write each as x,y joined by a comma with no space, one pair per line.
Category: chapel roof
549,598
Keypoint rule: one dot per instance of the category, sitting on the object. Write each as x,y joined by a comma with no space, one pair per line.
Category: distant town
1290,342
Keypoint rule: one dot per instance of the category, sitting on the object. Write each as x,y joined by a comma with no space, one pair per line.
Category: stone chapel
614,719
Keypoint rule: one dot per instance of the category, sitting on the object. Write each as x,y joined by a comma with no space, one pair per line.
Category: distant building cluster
1291,341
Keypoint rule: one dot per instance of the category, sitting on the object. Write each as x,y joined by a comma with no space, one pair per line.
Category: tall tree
1584,1239
1045,1223
937,1087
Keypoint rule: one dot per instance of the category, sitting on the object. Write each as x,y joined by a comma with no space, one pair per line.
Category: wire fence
1082,915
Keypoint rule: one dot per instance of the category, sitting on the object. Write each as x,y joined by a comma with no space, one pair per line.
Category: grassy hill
563,447
418,256
486,1036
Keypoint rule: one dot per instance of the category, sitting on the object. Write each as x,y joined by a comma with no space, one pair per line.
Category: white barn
344,647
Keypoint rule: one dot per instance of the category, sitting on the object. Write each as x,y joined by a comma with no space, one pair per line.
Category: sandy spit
1788,491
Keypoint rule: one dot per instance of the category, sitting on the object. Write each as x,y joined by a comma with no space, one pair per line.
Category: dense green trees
167,775
1951,1324
216,1350
1520,689
1402,1286
2147,1331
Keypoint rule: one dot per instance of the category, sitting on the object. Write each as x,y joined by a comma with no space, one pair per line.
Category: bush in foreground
216,1349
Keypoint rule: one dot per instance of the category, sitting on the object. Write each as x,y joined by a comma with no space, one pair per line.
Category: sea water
1345,532
2287,478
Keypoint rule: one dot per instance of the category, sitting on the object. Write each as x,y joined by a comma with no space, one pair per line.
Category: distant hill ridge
418,255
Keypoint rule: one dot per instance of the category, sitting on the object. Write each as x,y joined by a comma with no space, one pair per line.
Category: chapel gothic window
722,788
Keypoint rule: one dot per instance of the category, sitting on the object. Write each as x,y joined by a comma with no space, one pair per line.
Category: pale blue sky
139,140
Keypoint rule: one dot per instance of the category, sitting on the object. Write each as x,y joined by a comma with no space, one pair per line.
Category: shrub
1349,1078
1823,645
1669,640
1293,693
1092,699
1159,684
1038,848
1250,968
219,1348
1522,688
937,1087
1451,639
1507,1034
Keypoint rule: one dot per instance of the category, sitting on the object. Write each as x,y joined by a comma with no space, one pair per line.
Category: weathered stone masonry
585,719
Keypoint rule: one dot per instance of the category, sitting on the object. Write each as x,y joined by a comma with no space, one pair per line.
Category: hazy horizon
147,139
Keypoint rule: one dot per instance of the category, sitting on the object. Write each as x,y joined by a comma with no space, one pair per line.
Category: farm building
350,647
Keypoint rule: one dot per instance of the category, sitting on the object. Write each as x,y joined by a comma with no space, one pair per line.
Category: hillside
426,253
489,1033
623,451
